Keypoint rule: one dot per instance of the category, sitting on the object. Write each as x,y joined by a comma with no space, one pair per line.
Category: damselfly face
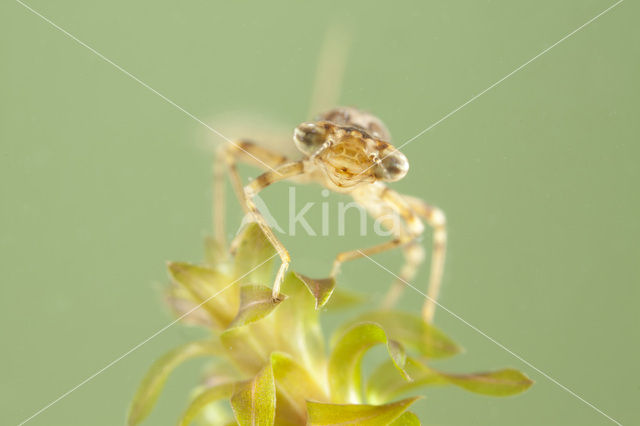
350,147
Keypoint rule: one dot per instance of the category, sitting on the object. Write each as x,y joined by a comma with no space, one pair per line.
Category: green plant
269,357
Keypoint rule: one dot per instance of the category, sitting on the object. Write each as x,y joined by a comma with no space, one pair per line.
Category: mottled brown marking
382,145
245,144
263,180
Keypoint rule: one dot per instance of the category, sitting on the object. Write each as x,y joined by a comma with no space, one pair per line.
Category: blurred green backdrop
102,181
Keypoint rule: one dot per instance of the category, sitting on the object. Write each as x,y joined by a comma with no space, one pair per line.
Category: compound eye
393,167
308,137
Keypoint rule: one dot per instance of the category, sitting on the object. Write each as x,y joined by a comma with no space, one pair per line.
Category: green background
102,181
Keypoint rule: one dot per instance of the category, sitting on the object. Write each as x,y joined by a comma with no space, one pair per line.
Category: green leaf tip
256,302
385,384
321,289
504,382
360,414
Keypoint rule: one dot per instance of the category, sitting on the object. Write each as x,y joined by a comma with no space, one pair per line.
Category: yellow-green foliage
269,361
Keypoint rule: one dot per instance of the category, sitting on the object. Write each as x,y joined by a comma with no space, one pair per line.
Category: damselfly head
347,152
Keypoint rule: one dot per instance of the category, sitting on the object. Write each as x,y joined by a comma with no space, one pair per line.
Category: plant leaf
385,384
253,249
344,363
204,398
294,385
254,402
411,330
154,380
184,305
360,414
256,302
406,419
321,289
207,287
504,382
